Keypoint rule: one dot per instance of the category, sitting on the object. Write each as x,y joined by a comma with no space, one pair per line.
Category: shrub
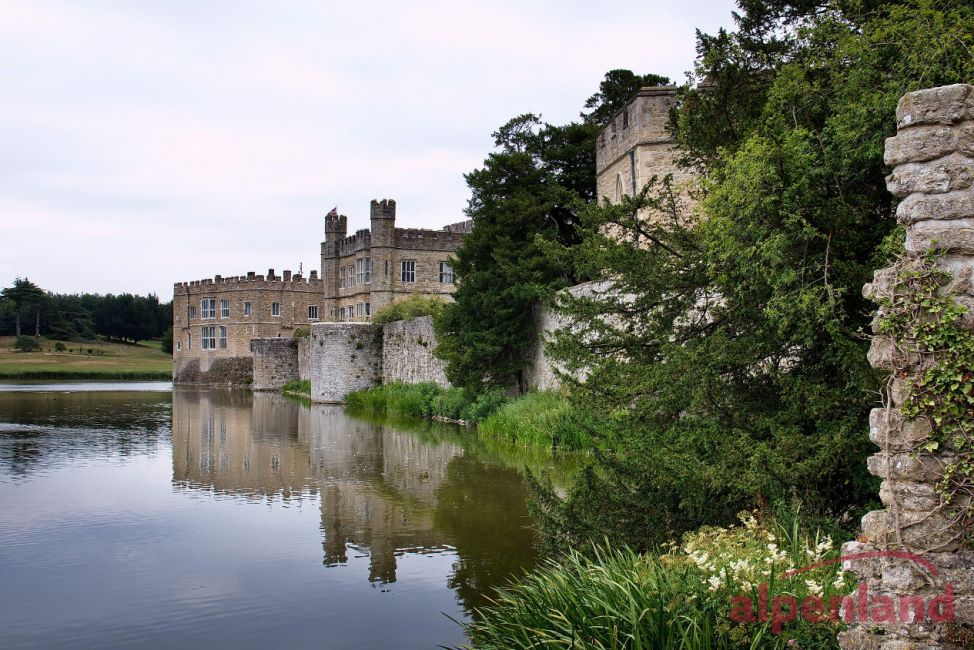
414,306
59,347
682,598
302,332
27,344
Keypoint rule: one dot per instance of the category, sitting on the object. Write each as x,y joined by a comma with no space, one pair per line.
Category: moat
141,515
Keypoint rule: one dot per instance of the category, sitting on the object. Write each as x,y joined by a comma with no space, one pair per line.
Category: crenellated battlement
254,281
421,238
360,241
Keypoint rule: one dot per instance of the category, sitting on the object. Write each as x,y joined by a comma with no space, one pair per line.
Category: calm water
211,518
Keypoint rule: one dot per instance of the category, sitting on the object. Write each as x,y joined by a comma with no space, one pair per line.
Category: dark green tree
27,298
727,366
528,192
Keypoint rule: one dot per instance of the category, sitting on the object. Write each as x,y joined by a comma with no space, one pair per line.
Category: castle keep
215,320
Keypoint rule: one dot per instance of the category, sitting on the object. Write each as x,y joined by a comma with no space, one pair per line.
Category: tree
527,193
167,340
727,366
615,91
26,297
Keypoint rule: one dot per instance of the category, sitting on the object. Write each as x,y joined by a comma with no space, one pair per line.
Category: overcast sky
148,142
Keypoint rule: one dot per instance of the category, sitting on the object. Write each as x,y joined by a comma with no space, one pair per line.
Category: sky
149,142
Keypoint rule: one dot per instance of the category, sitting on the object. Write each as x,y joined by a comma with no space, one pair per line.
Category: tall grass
424,401
297,387
543,419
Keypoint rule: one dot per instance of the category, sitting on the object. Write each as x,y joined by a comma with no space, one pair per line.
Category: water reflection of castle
379,487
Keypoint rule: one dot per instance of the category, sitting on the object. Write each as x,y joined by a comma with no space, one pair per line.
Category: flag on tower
334,212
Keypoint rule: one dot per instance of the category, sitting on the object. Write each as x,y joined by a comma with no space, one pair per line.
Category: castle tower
336,227
636,145
382,217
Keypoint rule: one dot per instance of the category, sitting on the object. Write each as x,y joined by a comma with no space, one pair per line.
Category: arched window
620,188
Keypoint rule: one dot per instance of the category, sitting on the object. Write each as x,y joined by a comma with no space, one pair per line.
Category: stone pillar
345,357
933,160
275,362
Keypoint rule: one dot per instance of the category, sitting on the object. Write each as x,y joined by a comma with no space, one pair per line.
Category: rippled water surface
212,518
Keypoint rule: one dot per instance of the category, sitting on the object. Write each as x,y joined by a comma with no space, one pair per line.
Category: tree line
26,308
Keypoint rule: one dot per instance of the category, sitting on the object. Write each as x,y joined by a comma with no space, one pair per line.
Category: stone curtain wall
933,160
407,353
304,358
275,362
345,357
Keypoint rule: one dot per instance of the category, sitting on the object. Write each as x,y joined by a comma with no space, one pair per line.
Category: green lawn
100,359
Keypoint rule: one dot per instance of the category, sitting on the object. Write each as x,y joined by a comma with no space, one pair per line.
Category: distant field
146,360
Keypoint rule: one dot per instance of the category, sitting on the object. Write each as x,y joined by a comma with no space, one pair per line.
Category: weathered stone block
907,467
920,144
939,207
889,426
943,105
881,286
884,354
955,237
953,172
909,495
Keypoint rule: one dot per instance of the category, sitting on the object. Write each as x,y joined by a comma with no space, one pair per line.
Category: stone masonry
345,357
243,308
636,145
933,160
275,362
378,266
407,353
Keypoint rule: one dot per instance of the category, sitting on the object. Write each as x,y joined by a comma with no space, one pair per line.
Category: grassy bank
86,360
543,419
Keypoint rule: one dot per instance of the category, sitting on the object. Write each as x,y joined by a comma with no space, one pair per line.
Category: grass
545,419
90,360
299,387
542,419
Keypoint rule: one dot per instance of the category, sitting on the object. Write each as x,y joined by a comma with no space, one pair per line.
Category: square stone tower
636,145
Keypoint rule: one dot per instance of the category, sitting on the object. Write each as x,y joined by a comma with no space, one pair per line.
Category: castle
215,319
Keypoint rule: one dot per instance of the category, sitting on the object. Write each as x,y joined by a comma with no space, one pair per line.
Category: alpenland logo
860,606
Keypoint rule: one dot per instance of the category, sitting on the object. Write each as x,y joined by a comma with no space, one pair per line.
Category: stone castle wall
293,294
275,362
304,357
345,357
933,159
407,353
